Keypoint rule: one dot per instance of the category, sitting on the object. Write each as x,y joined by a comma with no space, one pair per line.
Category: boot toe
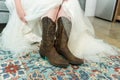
76,61
60,63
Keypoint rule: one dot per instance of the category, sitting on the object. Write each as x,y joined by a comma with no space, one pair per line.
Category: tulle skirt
19,37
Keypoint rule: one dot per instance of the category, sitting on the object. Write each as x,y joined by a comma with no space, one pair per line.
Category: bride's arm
20,10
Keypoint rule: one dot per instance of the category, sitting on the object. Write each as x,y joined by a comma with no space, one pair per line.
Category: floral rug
32,67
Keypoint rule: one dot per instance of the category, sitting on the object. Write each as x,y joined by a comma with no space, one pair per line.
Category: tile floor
108,31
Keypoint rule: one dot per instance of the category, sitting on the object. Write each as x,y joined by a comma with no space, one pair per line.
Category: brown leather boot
62,40
47,44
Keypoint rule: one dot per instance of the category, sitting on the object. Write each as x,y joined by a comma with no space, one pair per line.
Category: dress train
18,37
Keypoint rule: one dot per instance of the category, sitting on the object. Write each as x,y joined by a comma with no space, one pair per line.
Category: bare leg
68,24
62,13
52,13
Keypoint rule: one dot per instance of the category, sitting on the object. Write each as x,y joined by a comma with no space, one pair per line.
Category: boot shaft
48,34
63,31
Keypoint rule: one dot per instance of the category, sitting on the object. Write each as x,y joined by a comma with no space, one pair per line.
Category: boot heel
42,55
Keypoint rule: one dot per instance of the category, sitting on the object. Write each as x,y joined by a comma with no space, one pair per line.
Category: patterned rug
32,67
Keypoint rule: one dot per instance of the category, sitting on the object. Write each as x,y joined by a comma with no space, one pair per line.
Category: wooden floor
108,31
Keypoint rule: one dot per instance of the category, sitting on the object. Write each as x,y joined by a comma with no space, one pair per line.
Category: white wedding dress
18,37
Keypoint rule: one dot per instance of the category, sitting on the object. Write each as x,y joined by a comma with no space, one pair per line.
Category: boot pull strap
59,9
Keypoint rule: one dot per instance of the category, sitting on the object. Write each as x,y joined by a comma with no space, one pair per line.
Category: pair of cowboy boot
56,50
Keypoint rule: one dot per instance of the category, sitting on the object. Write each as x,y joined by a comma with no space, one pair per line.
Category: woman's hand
20,11
21,15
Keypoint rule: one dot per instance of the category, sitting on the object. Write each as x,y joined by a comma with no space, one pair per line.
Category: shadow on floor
2,27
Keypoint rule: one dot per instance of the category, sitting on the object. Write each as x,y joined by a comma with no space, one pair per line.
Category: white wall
90,7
